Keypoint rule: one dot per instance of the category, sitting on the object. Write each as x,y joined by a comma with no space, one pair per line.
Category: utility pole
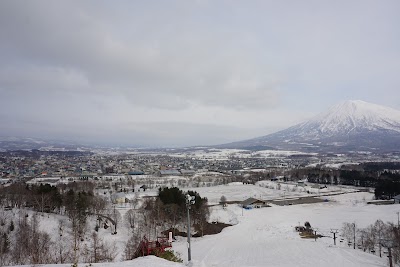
398,222
190,200
354,236
334,232
115,225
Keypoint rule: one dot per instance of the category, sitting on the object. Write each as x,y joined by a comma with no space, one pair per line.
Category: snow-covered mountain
348,126
351,116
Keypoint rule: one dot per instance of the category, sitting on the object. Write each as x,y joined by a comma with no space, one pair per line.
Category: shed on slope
253,203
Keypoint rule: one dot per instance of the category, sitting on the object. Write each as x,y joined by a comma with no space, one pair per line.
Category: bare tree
369,241
39,243
41,201
116,216
98,250
4,249
200,216
98,205
62,248
130,219
77,233
135,201
3,217
77,211
131,247
31,246
348,231
379,227
20,248
173,215
394,232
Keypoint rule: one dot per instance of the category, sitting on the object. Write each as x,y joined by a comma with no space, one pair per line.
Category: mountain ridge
347,126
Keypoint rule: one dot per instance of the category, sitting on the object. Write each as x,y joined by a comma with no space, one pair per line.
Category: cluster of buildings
66,166
26,165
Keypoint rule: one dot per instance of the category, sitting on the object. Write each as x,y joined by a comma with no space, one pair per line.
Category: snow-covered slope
348,117
266,237
350,125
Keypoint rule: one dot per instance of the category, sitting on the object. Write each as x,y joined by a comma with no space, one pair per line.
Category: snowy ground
225,154
266,236
149,261
264,190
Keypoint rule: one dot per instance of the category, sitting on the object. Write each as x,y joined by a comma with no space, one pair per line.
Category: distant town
195,167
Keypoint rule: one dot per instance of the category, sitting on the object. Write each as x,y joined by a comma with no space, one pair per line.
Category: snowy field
225,154
266,236
149,261
264,190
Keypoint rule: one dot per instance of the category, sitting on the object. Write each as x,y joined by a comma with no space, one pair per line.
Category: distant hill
348,126
19,143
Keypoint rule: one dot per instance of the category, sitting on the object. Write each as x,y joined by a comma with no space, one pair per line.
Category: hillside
266,236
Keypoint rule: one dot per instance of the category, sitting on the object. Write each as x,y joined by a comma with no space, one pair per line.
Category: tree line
23,209
83,220
374,238
385,181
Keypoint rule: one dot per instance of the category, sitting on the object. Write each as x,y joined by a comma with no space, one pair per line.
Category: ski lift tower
190,200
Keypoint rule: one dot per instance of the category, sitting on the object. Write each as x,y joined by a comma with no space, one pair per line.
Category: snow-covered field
265,190
224,154
149,261
266,236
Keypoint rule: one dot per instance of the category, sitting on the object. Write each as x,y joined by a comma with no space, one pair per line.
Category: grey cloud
195,69
136,134
93,67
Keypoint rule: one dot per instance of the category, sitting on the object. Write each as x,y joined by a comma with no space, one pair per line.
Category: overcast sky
178,73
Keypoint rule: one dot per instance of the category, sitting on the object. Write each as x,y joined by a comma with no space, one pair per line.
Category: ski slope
266,236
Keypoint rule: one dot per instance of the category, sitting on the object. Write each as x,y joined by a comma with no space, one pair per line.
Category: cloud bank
189,72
